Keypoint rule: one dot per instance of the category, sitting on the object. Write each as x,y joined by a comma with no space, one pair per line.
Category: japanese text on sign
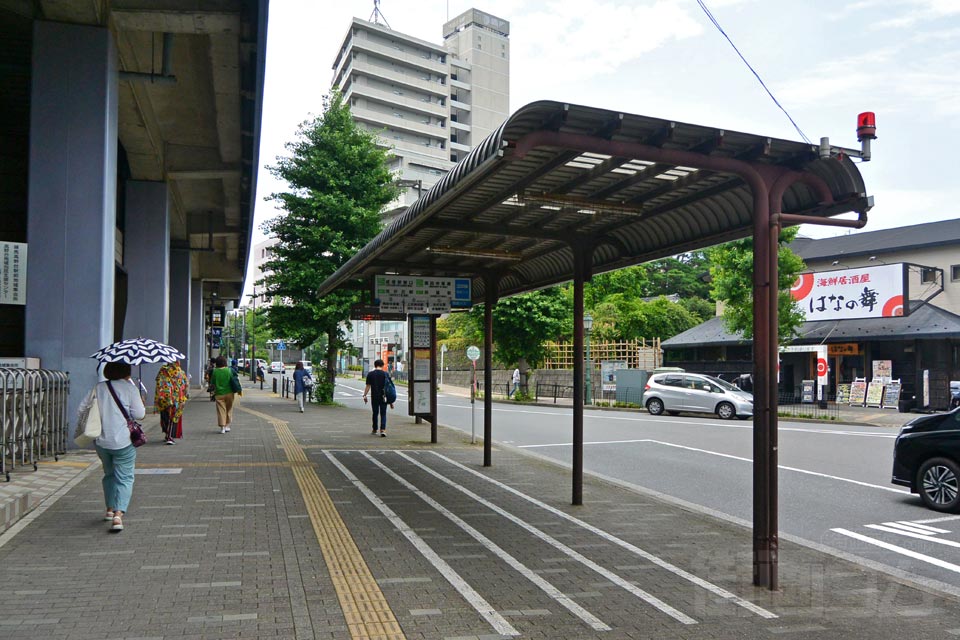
422,295
13,273
868,292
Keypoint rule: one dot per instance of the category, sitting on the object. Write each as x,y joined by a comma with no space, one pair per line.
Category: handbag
235,385
137,436
88,421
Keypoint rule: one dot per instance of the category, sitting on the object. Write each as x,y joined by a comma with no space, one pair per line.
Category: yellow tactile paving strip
364,606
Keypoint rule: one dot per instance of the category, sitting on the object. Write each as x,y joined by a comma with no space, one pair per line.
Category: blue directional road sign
281,346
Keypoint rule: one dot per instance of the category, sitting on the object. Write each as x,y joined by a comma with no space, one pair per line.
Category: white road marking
497,621
559,546
922,527
918,536
733,457
562,599
915,528
905,552
940,519
663,564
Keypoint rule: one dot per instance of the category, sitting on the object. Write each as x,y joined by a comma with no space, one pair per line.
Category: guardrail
33,416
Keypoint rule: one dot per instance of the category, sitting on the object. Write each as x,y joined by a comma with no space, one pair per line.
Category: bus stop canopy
630,188
560,192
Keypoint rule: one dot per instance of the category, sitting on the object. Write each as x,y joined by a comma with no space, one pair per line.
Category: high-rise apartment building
430,103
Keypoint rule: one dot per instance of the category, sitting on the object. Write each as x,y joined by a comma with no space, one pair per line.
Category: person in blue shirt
301,380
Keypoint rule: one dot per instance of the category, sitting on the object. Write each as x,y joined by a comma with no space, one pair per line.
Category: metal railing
33,416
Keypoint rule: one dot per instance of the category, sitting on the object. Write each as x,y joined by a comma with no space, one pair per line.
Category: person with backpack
379,386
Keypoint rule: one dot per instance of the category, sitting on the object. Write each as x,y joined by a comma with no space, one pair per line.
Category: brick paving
266,532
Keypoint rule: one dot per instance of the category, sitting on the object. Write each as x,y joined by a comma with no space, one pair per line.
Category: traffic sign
281,346
473,353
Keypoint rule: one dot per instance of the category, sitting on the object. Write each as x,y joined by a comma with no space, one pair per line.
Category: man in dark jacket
376,380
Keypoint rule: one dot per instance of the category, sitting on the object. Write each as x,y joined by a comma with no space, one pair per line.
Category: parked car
694,392
307,366
926,458
276,367
954,393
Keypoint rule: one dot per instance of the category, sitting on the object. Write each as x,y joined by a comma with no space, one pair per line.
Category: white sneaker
227,429
223,430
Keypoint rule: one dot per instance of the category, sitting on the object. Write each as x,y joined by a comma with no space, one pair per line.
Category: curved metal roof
634,188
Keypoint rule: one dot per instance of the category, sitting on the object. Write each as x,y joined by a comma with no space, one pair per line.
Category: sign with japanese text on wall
416,294
868,292
845,349
13,273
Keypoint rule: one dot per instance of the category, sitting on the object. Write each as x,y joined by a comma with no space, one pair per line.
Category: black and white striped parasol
138,351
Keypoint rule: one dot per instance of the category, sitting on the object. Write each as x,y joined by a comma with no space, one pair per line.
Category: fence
33,416
638,354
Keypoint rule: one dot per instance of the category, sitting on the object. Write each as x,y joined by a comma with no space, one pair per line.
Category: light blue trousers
117,476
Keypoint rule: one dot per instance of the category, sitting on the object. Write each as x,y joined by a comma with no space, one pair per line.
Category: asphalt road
834,490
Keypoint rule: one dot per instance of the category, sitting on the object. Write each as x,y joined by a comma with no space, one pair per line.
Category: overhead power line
752,70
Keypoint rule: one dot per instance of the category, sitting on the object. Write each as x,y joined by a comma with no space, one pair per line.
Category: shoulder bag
235,385
137,437
389,389
88,421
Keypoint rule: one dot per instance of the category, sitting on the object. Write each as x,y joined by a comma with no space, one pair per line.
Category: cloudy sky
824,60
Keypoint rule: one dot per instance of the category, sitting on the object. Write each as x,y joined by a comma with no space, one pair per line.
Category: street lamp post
587,326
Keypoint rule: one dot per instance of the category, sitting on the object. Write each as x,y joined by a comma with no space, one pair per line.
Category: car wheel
655,406
938,482
726,411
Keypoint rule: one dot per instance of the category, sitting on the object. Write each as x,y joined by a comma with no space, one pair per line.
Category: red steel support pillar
764,400
490,287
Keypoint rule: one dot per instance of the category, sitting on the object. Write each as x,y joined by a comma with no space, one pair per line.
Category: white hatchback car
276,367
694,392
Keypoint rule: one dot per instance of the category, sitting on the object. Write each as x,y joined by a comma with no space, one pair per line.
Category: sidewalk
305,526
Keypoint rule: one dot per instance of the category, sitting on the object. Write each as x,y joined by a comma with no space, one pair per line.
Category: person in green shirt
222,378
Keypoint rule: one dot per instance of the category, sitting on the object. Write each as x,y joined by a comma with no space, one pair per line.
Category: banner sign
608,373
845,349
417,294
846,294
13,273
371,312
216,316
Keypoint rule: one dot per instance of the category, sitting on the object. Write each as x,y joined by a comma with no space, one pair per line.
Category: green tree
338,183
523,324
732,272
681,275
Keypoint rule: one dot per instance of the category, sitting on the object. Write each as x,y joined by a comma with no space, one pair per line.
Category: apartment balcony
401,124
387,75
388,97
432,65
412,149
460,84
459,125
456,104
459,147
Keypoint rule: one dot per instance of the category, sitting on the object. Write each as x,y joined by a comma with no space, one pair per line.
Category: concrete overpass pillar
179,309
71,215
198,345
147,260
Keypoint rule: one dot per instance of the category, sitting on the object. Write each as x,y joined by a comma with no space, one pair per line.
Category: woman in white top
116,452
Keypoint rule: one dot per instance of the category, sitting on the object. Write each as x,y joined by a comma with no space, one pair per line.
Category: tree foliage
523,324
731,267
338,182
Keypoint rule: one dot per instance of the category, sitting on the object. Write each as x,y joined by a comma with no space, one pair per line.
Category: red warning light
866,125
